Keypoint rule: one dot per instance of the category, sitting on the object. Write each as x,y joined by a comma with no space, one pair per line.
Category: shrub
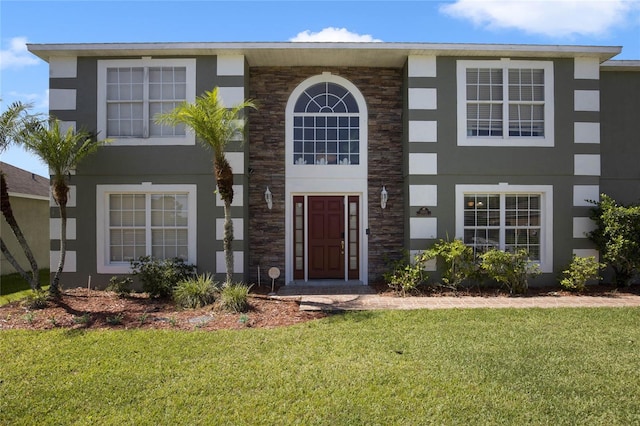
120,285
234,297
617,237
159,277
405,275
36,300
580,271
195,292
457,261
509,269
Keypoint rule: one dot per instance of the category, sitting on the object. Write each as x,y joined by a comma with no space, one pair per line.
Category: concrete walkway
365,298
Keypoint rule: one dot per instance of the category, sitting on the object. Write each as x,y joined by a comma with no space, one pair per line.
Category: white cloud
17,55
556,18
332,34
40,101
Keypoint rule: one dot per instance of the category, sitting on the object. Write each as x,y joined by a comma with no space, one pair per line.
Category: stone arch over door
326,138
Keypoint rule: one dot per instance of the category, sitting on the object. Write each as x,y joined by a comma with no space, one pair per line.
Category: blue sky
24,77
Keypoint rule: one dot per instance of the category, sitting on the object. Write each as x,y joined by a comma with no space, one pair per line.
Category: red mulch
83,309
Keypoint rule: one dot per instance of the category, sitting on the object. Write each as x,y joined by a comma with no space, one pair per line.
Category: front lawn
14,287
502,366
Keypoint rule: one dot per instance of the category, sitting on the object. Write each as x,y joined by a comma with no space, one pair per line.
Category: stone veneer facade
382,90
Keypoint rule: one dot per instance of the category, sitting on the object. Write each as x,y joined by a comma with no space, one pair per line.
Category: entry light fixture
268,197
384,197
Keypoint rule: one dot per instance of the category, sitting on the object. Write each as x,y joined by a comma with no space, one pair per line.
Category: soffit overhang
262,54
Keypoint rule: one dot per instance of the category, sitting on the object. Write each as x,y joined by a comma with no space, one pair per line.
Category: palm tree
62,152
12,123
215,126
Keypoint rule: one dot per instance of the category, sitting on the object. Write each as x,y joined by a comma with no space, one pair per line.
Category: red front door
326,237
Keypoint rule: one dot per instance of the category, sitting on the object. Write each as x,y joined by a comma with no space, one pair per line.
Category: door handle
342,247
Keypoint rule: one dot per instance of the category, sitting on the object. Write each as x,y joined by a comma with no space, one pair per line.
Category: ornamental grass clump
195,292
234,297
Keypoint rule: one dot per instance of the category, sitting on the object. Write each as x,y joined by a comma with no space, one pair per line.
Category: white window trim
506,140
104,266
189,64
546,211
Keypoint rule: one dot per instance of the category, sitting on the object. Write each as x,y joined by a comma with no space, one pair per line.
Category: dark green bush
512,270
580,271
617,237
195,292
405,275
456,262
159,277
120,285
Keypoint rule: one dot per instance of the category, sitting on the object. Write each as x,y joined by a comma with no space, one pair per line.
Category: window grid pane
526,107
489,99
326,126
126,227
482,222
136,95
507,222
129,229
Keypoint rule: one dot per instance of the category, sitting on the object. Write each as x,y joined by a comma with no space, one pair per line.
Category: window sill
187,140
506,142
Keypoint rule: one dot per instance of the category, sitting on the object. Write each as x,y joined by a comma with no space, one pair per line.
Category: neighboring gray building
366,148
29,198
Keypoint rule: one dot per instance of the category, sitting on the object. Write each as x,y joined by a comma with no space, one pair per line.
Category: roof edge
47,51
620,65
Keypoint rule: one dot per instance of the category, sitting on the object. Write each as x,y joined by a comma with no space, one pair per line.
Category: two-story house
363,149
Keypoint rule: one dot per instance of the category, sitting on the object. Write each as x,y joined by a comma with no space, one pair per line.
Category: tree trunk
7,211
224,180
60,195
55,290
12,260
227,240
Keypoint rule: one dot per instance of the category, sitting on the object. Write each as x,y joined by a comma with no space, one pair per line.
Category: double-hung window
505,103
144,220
506,217
132,92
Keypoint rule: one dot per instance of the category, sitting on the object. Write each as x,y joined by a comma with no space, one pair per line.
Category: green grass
14,287
502,366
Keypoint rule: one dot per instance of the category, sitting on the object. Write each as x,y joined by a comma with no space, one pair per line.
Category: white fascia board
264,53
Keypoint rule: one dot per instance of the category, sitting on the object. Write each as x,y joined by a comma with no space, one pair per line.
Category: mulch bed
80,308
93,309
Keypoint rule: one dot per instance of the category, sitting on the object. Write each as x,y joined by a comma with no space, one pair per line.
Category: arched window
326,126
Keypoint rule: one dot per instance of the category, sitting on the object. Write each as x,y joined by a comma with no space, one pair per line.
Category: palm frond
61,151
214,124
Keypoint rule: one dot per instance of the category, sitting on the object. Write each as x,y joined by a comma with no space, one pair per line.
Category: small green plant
173,321
512,270
53,320
120,285
581,270
115,319
405,276
83,319
456,259
143,318
195,292
234,297
159,277
244,319
36,300
29,317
